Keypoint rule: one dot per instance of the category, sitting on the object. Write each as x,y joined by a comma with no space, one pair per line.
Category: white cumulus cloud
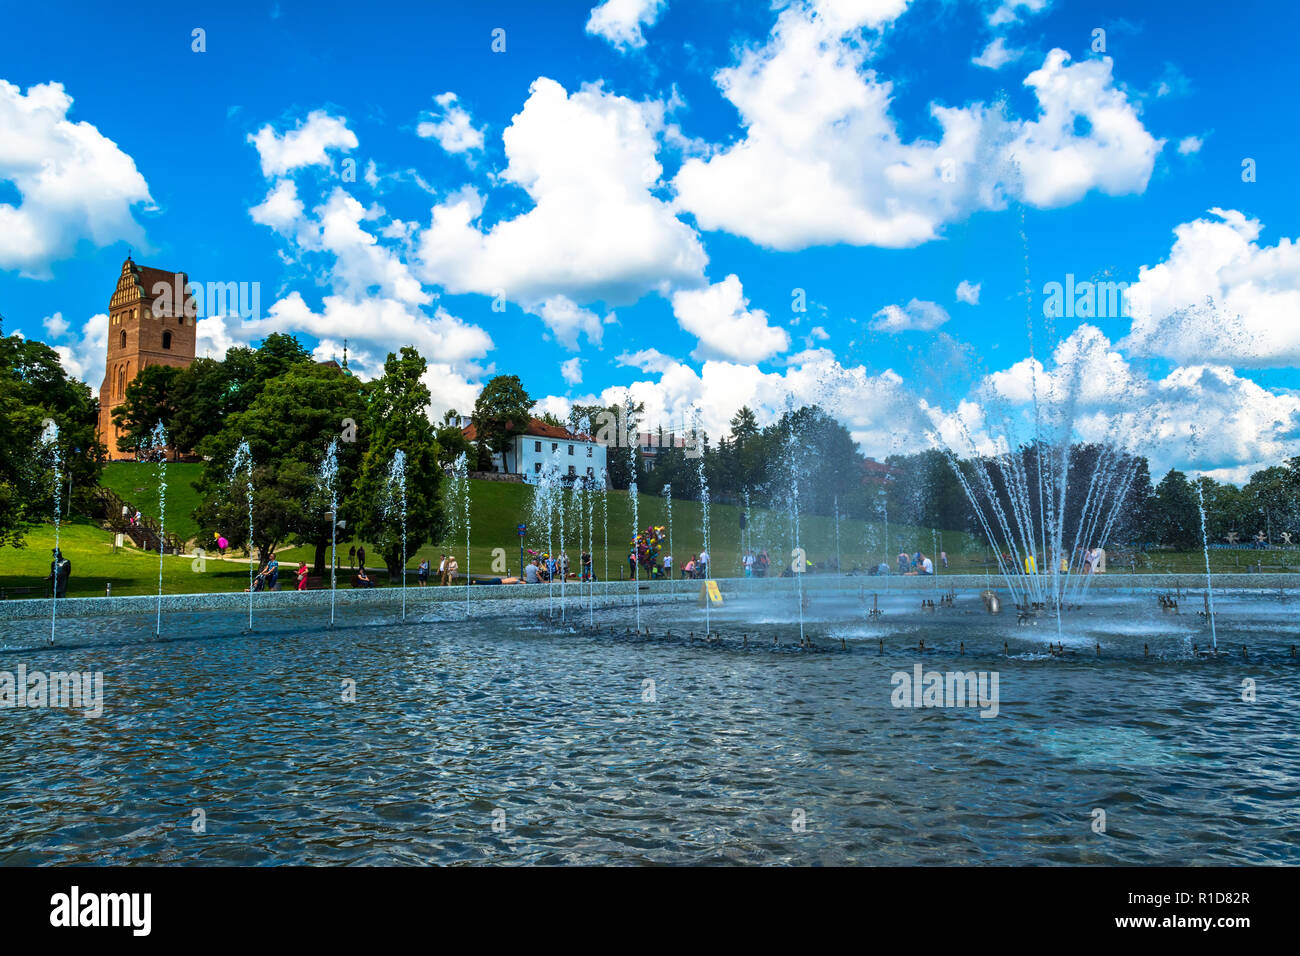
75,183
620,21
727,328
822,160
916,316
307,144
1220,296
997,55
451,126
595,230
571,371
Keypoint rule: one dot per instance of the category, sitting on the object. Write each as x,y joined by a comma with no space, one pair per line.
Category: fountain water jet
50,440
244,460
636,523
396,498
327,479
159,438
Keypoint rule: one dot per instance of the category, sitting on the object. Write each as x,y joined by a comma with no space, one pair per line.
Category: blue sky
639,187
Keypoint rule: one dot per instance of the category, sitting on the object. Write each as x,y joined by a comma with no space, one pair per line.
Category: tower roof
147,278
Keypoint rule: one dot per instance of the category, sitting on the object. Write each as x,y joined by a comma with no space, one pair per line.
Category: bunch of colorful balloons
649,544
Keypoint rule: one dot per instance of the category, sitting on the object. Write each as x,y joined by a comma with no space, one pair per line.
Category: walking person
352,558
668,566
453,570
361,557
272,573
442,571
302,576
422,573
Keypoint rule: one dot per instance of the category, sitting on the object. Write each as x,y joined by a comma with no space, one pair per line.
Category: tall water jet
565,496
704,522
159,438
747,540
632,441
244,460
543,514
799,564
50,440
884,511
604,517
396,499
837,534
327,479
668,501
591,550
1209,589
458,496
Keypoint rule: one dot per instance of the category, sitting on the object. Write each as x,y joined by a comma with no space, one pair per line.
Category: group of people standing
756,565
448,570
919,563
696,566
546,569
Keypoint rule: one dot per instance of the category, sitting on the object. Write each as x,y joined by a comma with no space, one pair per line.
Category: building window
122,338
167,340
537,468
537,446
554,447
570,449
589,451
591,473
572,471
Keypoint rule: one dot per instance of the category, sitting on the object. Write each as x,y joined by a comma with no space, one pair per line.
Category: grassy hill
496,508
137,484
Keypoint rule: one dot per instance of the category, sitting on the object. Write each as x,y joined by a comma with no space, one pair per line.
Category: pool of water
523,741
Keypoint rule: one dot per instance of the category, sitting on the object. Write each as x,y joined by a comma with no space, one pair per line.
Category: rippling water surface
497,741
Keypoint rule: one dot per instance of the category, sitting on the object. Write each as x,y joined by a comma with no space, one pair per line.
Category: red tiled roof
537,428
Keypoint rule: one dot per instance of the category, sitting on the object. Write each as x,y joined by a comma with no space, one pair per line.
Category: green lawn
137,484
94,564
498,507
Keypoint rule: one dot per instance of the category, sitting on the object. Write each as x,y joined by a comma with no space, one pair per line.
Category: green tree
501,412
397,419
451,439
149,402
201,400
1177,517
287,427
35,388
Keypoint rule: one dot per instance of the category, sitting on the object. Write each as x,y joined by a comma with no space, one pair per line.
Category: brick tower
140,334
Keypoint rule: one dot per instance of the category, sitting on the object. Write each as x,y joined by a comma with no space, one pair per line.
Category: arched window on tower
122,338
167,340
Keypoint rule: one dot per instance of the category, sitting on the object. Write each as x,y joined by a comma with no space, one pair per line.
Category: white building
543,445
